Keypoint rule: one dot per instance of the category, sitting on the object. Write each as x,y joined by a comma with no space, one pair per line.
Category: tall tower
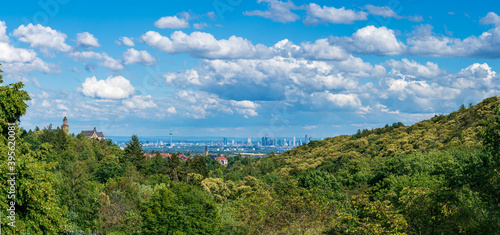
307,140
171,133
206,150
65,126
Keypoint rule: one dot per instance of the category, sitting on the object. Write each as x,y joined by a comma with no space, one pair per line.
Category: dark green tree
134,153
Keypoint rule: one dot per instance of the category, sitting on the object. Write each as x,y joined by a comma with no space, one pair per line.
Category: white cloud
372,40
278,11
42,37
204,45
139,102
491,18
126,41
171,110
132,56
200,25
112,88
415,18
86,39
405,66
475,76
245,107
9,53
321,49
424,42
317,14
103,58
172,22
18,68
268,79
3,32
384,11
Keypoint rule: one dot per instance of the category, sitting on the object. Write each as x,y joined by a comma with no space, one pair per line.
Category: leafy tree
156,164
183,208
12,104
108,170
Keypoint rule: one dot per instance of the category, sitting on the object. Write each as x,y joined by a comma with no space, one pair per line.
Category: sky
246,68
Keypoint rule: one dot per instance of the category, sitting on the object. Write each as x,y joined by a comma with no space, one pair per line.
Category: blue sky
247,68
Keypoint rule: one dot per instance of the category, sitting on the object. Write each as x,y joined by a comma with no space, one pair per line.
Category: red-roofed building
222,160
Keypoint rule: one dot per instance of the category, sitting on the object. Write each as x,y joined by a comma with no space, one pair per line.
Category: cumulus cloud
39,36
317,14
424,42
172,22
277,11
429,70
132,56
339,100
245,107
384,11
139,102
268,79
16,68
475,76
372,40
491,18
126,41
204,45
321,49
9,53
111,88
103,58
86,39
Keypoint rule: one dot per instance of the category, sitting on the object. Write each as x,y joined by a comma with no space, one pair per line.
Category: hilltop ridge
457,129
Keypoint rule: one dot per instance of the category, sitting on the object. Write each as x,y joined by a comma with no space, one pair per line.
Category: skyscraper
307,140
294,142
225,141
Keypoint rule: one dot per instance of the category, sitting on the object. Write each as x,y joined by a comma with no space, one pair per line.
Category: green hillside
458,129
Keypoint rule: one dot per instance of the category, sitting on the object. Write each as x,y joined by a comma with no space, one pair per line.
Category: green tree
183,208
135,154
12,104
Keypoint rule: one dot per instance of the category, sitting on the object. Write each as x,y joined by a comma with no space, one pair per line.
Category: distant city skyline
247,68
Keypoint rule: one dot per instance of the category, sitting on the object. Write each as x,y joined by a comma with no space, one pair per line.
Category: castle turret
65,126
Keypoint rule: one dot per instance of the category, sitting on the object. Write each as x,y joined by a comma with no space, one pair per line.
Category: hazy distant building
307,140
94,134
249,141
206,150
294,142
65,126
225,141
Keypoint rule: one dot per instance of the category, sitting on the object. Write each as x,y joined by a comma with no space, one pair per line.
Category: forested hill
458,129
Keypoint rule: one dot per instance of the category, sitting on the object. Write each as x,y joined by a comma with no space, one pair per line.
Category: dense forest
439,176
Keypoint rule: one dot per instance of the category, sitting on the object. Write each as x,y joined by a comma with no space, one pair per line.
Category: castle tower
65,126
